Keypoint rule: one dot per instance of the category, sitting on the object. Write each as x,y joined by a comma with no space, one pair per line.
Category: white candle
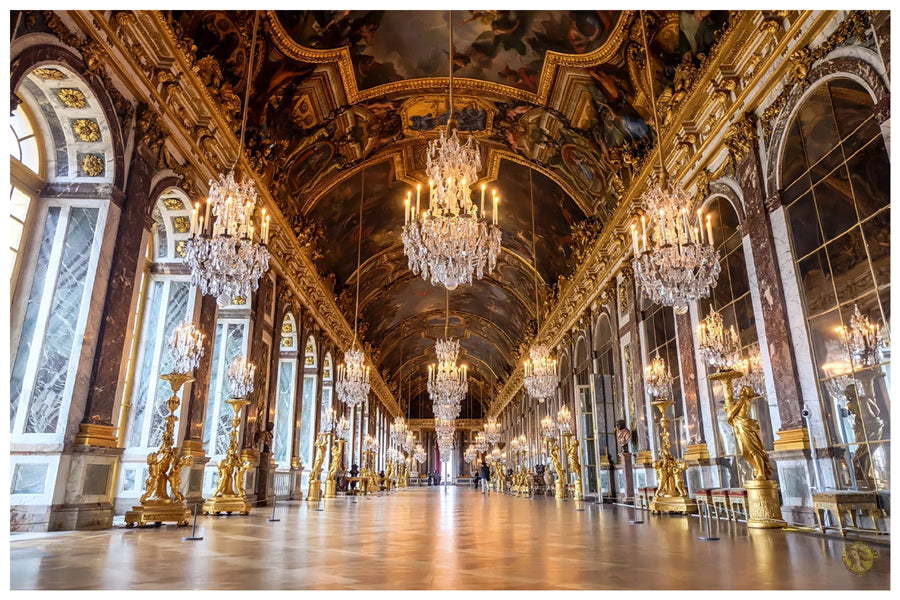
634,239
206,218
483,186
406,211
267,227
700,226
418,192
496,200
709,229
662,227
643,233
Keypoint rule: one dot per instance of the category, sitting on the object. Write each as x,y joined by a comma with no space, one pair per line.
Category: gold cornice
457,423
552,61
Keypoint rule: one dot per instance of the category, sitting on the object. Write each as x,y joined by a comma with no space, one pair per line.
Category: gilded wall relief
429,114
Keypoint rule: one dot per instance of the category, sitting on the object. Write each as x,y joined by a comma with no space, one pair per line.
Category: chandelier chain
362,193
652,97
537,308
247,88
450,117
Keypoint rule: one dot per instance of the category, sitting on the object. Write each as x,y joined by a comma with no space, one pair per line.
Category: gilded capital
741,136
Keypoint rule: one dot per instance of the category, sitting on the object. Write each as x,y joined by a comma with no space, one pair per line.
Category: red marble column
689,378
771,292
113,332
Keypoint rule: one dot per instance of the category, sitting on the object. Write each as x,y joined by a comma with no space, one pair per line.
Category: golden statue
746,430
678,475
571,447
389,476
321,448
671,495
558,467
229,495
337,460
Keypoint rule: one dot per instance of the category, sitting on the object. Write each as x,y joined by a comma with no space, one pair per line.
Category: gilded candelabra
164,466
763,505
570,443
230,496
315,474
337,459
671,493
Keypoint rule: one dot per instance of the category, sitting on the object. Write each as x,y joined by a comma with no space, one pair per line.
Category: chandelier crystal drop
225,261
353,378
481,444
674,263
492,430
865,341
398,430
718,346
240,377
185,347
540,373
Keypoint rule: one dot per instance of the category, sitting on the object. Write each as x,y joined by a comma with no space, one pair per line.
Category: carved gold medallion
45,73
182,224
71,97
173,203
86,130
92,165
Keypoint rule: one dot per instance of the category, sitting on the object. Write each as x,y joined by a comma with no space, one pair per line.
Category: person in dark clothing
354,472
485,473
475,481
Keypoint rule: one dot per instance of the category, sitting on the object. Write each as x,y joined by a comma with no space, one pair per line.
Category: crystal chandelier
659,377
353,378
865,341
185,347
752,370
342,429
240,377
369,443
548,427
469,454
492,430
495,454
679,266
419,454
444,427
450,241
720,348
540,368
447,382
564,418
328,418
481,444
410,442
540,373
353,375
224,259
398,430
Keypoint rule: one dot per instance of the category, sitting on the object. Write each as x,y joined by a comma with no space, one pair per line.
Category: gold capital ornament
230,496
164,467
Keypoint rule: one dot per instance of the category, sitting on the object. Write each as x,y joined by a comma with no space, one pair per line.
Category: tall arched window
731,298
659,336
308,414
605,400
835,176
55,248
284,402
586,407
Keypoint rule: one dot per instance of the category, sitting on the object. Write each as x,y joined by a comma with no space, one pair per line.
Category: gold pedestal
331,489
673,504
315,491
157,513
226,504
763,507
560,489
164,472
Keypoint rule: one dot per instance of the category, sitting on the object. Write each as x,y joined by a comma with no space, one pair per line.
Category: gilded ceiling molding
152,49
552,62
741,136
427,424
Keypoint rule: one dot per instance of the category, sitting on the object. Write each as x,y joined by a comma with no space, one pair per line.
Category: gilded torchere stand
558,467
571,445
164,467
315,474
337,459
230,496
763,506
671,493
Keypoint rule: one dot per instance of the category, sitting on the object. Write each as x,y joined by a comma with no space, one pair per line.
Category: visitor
485,478
381,480
354,472
475,481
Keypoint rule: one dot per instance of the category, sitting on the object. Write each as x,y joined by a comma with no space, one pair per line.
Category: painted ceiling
343,105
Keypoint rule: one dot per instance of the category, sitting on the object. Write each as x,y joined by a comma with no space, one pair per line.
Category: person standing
485,478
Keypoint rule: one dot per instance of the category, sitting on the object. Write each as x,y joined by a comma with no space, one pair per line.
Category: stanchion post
193,536
636,520
709,536
274,502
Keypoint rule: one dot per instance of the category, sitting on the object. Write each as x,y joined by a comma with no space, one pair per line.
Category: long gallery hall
450,300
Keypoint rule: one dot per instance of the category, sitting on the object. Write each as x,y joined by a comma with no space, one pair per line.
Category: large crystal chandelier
452,239
353,375
410,442
224,259
469,454
447,381
865,341
419,454
398,430
675,265
540,373
492,430
658,377
548,427
540,368
481,444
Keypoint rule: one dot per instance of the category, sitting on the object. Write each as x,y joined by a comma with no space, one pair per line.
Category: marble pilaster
689,389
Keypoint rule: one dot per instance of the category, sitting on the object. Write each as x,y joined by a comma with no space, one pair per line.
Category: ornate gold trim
792,439
90,434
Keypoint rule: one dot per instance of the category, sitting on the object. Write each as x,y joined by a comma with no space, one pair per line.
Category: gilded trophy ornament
86,130
71,97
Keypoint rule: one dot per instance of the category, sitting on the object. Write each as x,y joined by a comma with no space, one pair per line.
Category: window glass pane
307,418
870,179
60,334
804,225
281,443
212,393
817,125
234,338
834,201
849,266
26,337
852,104
795,160
30,156
815,279
145,362
19,202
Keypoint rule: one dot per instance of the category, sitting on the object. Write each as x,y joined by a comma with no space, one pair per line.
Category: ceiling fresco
500,46
560,96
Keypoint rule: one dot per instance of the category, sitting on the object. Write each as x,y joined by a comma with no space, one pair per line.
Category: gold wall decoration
287,342
173,204
45,73
86,130
741,136
182,224
180,246
92,165
239,301
71,97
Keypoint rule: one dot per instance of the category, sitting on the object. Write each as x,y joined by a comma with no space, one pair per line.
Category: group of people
483,477
434,478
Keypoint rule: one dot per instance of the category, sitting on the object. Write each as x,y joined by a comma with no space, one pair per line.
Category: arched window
659,336
308,414
606,399
284,403
55,246
835,176
586,407
731,298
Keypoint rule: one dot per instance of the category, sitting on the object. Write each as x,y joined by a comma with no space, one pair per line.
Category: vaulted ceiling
345,102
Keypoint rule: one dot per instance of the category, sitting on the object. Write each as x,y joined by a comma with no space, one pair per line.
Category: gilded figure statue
557,461
678,475
336,460
572,453
321,445
746,430
153,476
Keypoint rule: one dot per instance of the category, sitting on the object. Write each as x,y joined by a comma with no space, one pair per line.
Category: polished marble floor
438,539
